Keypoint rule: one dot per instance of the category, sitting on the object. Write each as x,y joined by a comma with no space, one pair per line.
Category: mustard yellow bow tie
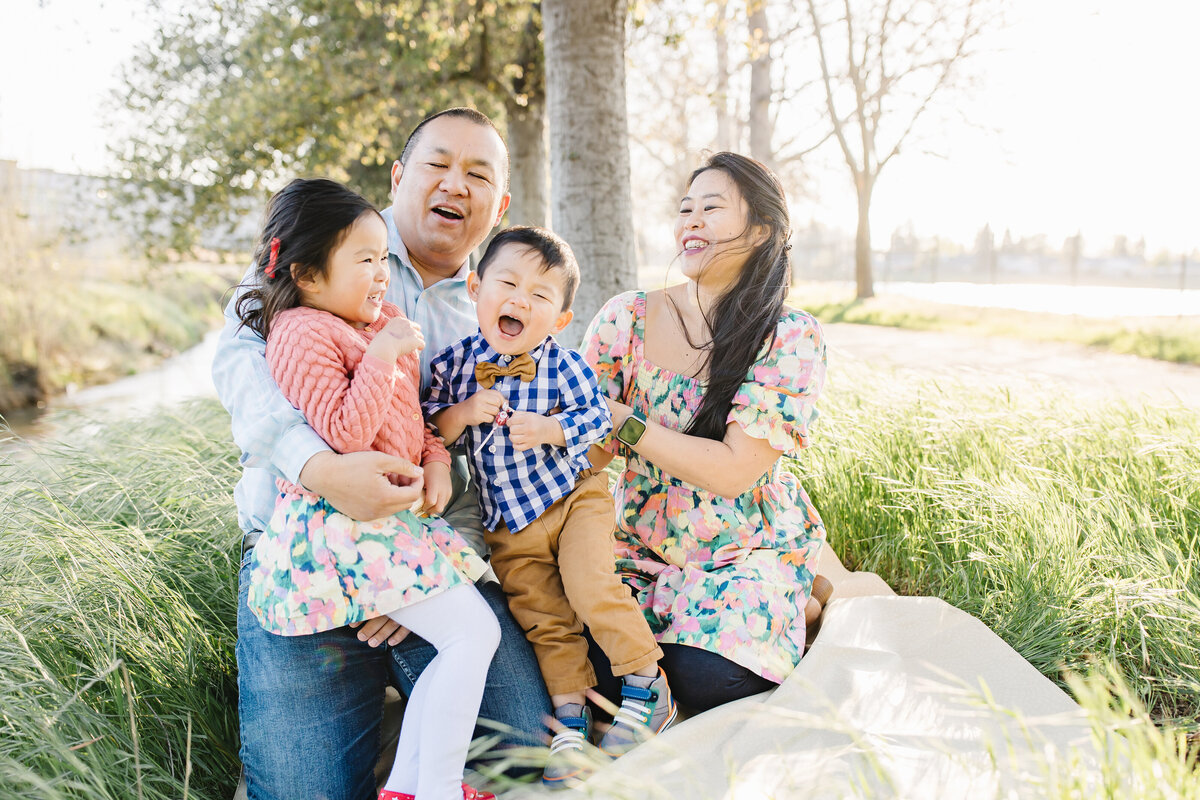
523,366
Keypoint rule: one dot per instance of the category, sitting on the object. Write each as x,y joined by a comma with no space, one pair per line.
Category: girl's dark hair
745,316
310,217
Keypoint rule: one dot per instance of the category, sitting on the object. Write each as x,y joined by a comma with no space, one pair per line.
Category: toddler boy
530,410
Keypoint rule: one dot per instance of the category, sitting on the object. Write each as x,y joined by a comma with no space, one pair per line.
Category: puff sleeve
608,345
608,349
778,400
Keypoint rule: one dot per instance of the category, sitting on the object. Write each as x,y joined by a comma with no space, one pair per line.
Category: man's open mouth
447,213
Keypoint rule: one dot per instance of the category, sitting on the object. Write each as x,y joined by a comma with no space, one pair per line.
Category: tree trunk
864,281
721,92
760,84
589,147
528,159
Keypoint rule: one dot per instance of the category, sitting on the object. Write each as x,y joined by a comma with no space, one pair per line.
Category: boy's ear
473,285
564,319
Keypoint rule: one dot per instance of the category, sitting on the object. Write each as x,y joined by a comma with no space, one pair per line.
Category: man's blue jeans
310,707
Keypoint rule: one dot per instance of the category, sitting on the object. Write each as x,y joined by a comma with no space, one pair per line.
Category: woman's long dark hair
746,314
309,217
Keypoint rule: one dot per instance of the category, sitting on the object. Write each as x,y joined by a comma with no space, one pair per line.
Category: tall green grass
117,612
1073,532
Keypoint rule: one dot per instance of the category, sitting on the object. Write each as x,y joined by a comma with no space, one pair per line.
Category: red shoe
475,794
468,794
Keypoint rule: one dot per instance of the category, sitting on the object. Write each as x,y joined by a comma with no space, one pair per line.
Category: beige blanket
898,697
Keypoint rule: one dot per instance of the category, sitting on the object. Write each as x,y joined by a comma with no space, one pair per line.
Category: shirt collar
396,247
484,352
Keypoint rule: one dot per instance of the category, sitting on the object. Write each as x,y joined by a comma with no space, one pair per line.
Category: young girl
347,359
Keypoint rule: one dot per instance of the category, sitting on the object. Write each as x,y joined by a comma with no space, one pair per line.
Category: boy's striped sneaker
568,764
647,709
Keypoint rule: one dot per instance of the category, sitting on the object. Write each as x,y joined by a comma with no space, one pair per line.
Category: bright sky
1093,103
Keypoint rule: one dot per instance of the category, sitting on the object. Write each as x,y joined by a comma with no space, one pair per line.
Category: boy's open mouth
511,326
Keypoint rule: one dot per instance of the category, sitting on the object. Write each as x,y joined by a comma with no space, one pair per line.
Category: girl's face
711,233
356,274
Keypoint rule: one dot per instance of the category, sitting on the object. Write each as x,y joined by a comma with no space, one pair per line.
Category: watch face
631,431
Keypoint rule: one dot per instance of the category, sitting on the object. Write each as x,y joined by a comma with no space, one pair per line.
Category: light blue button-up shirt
274,438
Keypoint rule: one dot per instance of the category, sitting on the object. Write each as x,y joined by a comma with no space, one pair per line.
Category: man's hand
527,430
437,487
357,483
377,629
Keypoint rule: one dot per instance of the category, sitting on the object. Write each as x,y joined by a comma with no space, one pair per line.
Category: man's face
450,194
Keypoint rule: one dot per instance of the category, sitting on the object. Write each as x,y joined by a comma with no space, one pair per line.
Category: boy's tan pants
559,575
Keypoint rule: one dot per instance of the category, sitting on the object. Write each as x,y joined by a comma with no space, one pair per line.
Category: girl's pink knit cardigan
353,402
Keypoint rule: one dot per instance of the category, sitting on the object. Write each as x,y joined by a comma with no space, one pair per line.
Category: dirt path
1012,363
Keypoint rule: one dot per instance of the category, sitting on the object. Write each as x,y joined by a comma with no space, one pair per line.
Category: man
310,706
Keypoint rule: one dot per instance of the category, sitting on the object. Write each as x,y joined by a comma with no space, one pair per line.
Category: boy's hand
527,430
437,487
482,407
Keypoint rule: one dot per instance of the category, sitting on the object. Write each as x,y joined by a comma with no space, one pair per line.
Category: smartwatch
631,430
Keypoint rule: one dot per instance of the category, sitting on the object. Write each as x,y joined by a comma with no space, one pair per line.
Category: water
1084,301
180,377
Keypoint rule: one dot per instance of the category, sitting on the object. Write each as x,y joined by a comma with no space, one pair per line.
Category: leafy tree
882,66
233,97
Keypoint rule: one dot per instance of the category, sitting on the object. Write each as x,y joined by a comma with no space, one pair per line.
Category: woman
710,383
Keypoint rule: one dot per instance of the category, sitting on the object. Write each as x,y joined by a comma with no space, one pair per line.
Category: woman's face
711,232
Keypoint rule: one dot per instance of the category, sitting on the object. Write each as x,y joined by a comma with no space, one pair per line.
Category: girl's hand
482,407
406,334
437,487
527,430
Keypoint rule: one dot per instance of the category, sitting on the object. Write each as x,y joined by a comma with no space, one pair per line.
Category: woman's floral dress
728,576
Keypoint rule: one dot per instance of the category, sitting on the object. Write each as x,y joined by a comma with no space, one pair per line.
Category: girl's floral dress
728,576
314,568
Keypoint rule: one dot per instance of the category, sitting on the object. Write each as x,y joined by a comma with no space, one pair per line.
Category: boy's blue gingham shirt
517,486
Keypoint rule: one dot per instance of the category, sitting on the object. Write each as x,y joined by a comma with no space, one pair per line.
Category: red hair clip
273,260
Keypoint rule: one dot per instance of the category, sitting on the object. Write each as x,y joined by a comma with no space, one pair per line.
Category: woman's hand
620,411
437,487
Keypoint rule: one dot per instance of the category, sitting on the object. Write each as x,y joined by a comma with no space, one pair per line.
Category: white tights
439,718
